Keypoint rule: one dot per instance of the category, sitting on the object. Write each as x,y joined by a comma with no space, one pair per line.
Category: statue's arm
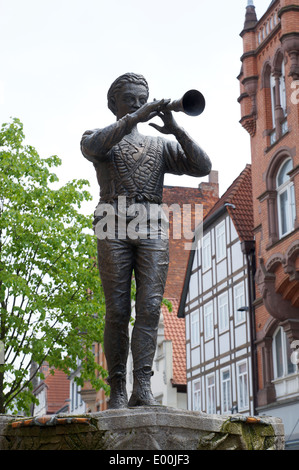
96,144
187,157
184,156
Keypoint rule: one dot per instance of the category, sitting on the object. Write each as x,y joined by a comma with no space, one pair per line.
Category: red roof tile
58,391
174,330
240,204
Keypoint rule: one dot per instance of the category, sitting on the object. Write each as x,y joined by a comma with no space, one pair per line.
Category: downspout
248,249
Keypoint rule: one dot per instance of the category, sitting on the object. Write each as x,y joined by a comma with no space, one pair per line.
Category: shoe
142,393
118,392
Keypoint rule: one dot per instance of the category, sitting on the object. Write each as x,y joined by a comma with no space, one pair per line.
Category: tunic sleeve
96,144
192,161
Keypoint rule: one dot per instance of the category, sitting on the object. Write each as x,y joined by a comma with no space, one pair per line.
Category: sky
59,58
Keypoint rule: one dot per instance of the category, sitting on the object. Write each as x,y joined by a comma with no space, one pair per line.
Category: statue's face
130,98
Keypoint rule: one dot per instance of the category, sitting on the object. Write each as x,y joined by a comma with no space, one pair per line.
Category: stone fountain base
143,428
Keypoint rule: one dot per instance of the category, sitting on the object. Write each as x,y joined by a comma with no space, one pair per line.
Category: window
208,320
196,396
274,84
206,252
285,199
220,241
282,90
223,312
239,301
226,391
76,398
282,355
280,196
211,401
242,375
194,328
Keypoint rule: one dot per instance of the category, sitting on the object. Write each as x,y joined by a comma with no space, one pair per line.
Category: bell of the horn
192,103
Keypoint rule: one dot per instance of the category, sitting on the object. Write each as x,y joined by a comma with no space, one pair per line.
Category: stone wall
144,428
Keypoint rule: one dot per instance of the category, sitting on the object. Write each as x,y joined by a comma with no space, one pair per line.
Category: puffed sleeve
185,157
96,144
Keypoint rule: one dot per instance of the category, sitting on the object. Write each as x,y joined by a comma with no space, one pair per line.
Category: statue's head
120,83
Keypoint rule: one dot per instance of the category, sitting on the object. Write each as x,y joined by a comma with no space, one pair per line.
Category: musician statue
131,167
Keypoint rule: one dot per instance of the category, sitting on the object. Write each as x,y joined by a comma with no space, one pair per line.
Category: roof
174,330
238,202
58,391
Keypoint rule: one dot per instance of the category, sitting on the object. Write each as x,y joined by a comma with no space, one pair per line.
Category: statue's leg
150,267
115,262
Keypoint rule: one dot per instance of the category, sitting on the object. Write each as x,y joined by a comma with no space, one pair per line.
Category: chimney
212,185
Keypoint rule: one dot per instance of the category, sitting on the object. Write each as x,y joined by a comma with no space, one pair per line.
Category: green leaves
47,271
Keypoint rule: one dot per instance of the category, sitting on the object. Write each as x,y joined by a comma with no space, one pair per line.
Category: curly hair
122,80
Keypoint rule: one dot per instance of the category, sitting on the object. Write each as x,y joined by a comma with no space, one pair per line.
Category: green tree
51,298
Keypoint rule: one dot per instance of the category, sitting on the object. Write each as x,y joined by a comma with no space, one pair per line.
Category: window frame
206,249
211,394
287,187
240,317
243,386
223,318
208,317
220,241
226,386
195,332
196,395
286,363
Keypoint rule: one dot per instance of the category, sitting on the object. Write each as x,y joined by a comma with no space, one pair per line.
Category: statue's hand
170,125
150,110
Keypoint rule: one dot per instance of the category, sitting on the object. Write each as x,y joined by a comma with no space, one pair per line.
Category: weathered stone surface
143,428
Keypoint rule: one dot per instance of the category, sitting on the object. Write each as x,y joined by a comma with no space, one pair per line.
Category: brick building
270,113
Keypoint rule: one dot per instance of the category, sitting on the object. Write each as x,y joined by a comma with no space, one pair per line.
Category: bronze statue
132,166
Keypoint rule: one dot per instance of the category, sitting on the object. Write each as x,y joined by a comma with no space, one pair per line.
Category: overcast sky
59,57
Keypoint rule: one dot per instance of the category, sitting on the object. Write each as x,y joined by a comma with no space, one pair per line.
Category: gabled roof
58,391
237,202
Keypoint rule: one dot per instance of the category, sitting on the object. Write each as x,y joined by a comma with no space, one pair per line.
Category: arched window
268,96
275,98
280,195
285,199
282,88
282,355
272,87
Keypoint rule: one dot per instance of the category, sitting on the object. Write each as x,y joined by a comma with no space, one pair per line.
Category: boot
142,394
118,392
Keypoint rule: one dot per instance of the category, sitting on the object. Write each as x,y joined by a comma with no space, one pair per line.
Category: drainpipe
248,249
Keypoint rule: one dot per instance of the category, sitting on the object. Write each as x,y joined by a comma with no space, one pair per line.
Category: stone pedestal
144,428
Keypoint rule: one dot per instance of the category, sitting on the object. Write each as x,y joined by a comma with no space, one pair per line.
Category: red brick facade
270,113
